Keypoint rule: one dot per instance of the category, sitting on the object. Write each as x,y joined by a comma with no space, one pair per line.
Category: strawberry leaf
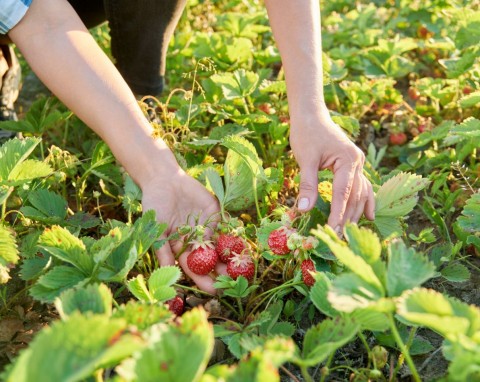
470,219
325,338
61,244
398,195
138,288
96,298
445,315
406,269
67,351
164,358
243,174
13,153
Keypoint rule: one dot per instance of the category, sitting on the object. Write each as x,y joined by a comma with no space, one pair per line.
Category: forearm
296,28
66,58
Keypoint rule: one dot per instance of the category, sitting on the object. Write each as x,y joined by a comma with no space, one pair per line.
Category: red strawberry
308,266
398,138
202,259
277,241
175,305
241,265
227,245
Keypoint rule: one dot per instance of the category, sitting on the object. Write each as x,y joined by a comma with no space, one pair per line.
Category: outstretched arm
317,142
66,58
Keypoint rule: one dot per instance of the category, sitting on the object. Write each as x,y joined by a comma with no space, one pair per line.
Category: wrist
155,164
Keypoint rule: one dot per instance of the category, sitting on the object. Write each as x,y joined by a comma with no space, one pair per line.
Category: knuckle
307,186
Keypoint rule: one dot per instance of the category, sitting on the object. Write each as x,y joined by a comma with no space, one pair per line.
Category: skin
66,58
317,142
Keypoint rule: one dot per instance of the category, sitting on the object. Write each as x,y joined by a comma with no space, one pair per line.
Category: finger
205,283
308,192
342,186
370,205
164,254
360,208
355,202
221,268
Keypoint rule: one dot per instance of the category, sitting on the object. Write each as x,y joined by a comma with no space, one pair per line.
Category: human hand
177,201
318,143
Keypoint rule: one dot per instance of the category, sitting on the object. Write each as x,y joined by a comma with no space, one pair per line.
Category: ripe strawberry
175,305
202,259
413,93
308,266
277,241
467,90
241,265
227,245
398,138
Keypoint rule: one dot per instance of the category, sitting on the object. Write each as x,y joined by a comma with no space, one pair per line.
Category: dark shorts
140,32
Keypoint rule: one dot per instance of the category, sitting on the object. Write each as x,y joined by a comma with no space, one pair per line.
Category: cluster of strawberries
284,241
229,248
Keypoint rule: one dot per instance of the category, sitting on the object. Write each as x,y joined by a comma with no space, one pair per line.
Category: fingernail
303,203
338,231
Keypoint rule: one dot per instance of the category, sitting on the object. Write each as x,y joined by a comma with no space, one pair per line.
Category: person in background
57,45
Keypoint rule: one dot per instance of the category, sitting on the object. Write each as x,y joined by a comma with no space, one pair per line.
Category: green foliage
159,285
69,352
168,345
396,198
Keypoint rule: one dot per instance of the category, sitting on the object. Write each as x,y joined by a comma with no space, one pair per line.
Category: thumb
308,187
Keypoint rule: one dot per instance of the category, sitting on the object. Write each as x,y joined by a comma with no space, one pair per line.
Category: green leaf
456,273
470,100
138,288
47,206
165,357
147,230
132,196
445,315
319,293
83,220
8,247
143,315
467,35
349,292
364,243
355,263
398,195
371,319
214,182
30,169
95,298
161,281
325,338
470,219
406,269
67,351
61,244
60,278
243,171
238,84
13,153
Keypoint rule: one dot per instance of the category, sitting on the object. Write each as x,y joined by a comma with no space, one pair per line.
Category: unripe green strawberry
380,356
